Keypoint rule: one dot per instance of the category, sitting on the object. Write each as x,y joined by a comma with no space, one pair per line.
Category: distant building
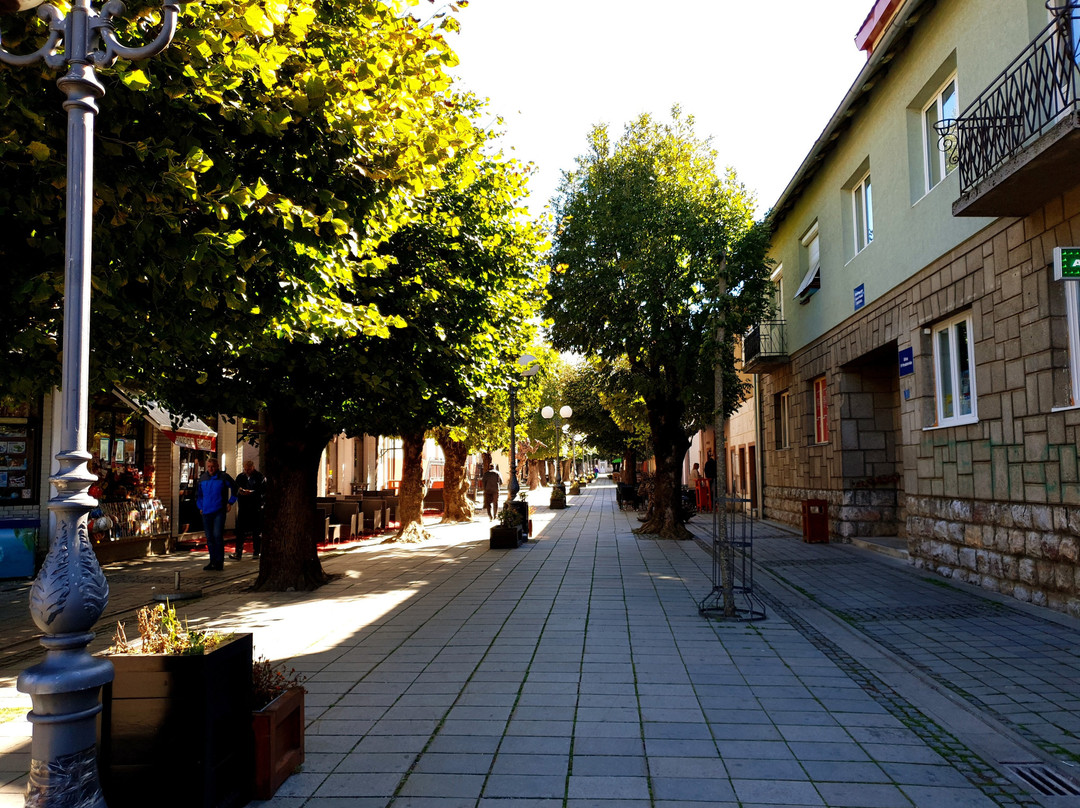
922,373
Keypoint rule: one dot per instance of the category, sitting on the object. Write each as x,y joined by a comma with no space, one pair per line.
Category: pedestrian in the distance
250,491
214,497
710,475
492,484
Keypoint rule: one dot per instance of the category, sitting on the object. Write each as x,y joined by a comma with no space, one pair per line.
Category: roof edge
899,24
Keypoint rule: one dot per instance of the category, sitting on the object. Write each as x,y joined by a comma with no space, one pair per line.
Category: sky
761,77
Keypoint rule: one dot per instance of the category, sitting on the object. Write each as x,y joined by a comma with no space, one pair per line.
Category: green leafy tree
466,279
646,234
616,424
245,180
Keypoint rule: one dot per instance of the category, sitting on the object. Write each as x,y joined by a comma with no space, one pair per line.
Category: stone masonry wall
995,502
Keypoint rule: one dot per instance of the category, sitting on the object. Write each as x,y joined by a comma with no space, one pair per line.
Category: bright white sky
761,77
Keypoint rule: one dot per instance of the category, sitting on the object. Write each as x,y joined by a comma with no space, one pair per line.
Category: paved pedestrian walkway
576,672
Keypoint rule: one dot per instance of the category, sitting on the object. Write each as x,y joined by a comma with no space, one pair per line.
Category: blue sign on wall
860,296
907,361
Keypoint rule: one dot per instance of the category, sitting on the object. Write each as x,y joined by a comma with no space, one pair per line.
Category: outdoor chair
332,531
372,510
347,512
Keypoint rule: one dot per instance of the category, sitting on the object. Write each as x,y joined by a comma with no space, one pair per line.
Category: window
862,214
954,372
811,259
777,278
942,107
783,411
821,411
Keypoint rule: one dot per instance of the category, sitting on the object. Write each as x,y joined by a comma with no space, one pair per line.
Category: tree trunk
411,492
534,475
455,481
665,518
291,527
629,470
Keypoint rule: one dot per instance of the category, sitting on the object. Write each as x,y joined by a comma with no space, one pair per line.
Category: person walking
214,497
492,484
250,491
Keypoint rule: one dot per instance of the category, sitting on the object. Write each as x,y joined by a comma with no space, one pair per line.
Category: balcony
1017,145
765,347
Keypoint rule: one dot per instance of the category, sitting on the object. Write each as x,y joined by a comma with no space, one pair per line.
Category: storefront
138,451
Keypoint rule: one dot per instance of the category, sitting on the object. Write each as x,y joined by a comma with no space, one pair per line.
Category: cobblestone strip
870,622
980,773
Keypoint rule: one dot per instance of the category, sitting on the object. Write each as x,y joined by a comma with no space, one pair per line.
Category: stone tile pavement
576,671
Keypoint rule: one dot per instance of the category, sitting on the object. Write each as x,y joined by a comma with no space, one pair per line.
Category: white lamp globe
547,412
565,411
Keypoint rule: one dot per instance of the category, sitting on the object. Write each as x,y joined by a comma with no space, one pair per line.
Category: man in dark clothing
492,483
214,497
710,475
250,489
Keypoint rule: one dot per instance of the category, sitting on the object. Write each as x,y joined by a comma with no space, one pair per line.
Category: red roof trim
875,24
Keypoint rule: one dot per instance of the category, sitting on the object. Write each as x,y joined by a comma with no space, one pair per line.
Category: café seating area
358,515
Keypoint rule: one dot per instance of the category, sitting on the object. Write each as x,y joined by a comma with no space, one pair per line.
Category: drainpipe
759,440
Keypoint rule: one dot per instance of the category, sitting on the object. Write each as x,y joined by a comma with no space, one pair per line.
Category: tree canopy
654,255
247,180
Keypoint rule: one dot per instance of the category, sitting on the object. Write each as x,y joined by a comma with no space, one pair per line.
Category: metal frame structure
732,564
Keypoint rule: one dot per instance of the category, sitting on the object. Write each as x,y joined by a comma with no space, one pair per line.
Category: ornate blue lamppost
528,362
70,592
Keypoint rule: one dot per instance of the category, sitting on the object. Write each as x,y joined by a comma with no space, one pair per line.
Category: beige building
922,374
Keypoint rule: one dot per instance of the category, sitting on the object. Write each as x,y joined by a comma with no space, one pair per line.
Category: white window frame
821,409
862,213
777,278
784,419
932,153
811,282
947,380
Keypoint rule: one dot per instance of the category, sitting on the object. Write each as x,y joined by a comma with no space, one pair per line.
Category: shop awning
189,433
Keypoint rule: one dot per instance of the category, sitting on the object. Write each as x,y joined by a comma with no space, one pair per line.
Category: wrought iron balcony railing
1034,93
765,346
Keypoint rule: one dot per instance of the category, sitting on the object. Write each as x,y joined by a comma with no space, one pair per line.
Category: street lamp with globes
70,592
529,367
548,413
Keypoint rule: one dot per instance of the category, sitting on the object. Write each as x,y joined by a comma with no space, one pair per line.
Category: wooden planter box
279,741
175,731
557,504
505,538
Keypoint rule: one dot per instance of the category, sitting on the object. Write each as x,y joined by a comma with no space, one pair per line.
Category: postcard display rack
17,444
18,534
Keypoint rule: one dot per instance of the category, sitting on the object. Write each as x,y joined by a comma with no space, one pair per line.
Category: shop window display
128,506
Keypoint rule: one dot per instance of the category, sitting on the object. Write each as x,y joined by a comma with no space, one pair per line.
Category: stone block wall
995,502
1027,551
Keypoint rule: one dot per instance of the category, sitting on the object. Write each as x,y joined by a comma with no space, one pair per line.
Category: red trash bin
815,521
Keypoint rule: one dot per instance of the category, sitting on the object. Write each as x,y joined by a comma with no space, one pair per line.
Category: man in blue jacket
214,496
